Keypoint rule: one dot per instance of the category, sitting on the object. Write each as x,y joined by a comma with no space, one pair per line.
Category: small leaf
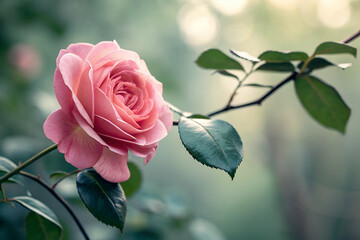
197,115
214,143
37,207
334,48
322,102
245,56
105,200
277,67
215,59
276,56
227,74
257,85
132,185
57,175
6,165
39,228
318,63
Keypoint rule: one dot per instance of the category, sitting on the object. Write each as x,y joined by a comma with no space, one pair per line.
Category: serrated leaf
322,102
226,73
335,48
216,59
105,200
257,85
277,56
57,175
40,228
245,56
6,165
318,63
37,207
276,67
132,185
214,143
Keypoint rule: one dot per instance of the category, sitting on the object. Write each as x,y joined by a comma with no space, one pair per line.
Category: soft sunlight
334,13
229,7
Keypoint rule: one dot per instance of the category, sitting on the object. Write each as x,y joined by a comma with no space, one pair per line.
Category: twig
59,198
62,178
258,101
27,163
352,37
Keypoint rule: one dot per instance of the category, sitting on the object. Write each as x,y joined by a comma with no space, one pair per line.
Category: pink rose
110,103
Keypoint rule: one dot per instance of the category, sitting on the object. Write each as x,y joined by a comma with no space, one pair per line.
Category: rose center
127,92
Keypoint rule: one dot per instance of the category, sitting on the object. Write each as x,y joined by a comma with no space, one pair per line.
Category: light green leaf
318,63
322,102
57,175
245,56
226,73
257,85
277,56
214,143
40,228
6,165
215,59
335,48
132,185
276,67
37,207
105,200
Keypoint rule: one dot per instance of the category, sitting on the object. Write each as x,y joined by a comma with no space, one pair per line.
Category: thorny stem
62,178
59,198
27,163
293,76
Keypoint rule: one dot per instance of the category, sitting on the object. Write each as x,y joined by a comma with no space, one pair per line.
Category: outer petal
100,50
63,93
144,152
81,150
79,49
113,167
166,116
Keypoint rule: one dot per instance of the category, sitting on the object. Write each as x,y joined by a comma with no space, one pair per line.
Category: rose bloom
110,104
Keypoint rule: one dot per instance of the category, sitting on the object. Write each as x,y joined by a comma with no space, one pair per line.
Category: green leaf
215,59
39,228
214,143
132,185
105,200
245,56
257,85
37,207
334,48
6,165
197,115
318,63
322,102
226,73
276,56
277,67
57,175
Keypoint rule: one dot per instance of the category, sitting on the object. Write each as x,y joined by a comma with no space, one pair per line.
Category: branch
258,101
27,163
59,198
352,37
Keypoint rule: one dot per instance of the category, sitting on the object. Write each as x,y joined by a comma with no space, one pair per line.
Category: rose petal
100,50
63,93
113,167
79,49
81,150
147,153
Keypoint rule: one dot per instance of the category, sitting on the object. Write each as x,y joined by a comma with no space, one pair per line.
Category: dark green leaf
245,56
214,143
6,165
215,59
227,74
335,48
37,207
257,85
197,115
132,185
57,175
277,67
105,200
318,63
322,102
276,56
39,228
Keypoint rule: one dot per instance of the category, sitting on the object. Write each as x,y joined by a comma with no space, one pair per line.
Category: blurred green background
298,180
